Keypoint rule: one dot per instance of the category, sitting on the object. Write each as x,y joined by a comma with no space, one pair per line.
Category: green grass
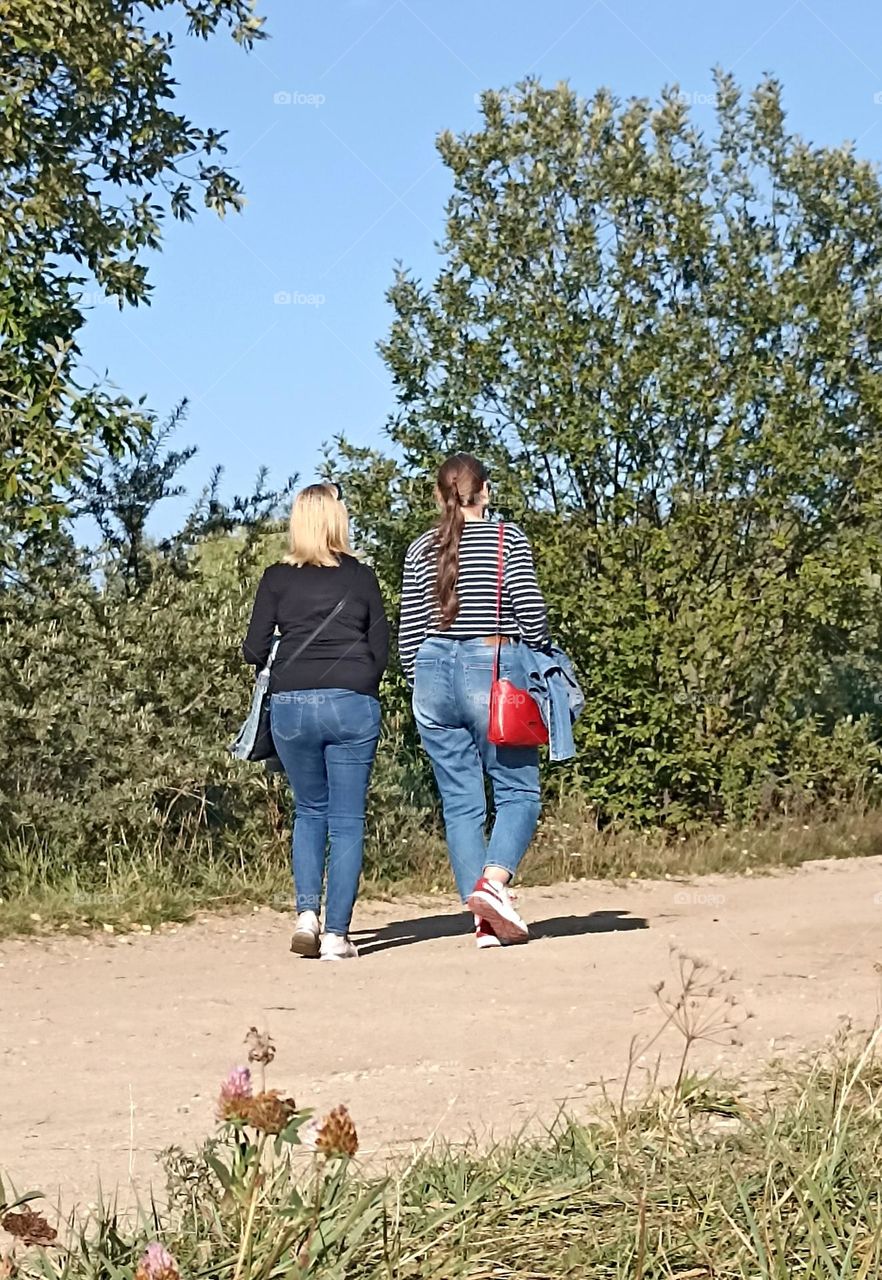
132,890
703,1182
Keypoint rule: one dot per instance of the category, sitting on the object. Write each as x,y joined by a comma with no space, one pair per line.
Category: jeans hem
503,866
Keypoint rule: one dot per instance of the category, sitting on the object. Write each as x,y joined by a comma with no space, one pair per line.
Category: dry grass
700,1182
131,892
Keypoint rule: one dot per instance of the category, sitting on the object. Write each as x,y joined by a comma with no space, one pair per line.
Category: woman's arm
262,627
523,590
377,623
414,619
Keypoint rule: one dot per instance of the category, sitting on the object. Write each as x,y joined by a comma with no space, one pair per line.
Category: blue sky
331,127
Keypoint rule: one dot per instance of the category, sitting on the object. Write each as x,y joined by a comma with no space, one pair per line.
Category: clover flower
335,1135
157,1263
269,1111
236,1092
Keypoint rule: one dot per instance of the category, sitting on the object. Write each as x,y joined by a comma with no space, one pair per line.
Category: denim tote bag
254,740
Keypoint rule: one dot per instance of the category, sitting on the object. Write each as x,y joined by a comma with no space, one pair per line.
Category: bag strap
313,635
499,572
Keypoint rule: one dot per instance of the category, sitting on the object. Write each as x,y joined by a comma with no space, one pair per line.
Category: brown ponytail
460,481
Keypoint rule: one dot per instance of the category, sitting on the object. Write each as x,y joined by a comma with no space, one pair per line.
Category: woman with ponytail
450,630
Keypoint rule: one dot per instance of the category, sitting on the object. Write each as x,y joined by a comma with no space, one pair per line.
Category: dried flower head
269,1111
236,1092
260,1047
157,1264
28,1226
335,1135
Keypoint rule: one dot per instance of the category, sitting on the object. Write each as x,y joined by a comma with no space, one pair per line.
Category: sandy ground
112,1048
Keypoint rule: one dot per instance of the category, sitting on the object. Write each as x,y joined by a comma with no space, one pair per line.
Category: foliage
119,688
702,1180
669,350
121,685
92,157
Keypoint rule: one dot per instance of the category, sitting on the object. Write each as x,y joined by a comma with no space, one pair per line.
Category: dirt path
111,1049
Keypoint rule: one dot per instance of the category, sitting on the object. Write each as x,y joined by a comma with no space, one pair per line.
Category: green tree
93,157
669,349
122,674
120,494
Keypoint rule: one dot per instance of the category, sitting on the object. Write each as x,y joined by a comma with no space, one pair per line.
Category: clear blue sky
341,186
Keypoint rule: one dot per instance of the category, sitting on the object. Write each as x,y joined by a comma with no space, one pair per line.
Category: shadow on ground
404,933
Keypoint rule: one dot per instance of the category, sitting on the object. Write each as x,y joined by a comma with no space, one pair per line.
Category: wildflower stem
252,1208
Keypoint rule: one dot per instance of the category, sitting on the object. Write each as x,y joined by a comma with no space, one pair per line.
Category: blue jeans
451,704
327,740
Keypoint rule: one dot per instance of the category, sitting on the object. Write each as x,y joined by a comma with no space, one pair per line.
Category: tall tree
93,157
121,495
669,348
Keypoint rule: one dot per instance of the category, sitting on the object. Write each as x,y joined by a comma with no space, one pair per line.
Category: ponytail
447,541
460,481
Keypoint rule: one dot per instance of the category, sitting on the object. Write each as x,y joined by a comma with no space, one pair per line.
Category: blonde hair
318,532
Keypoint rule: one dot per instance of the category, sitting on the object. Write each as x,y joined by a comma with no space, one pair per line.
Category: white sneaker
305,941
491,902
336,947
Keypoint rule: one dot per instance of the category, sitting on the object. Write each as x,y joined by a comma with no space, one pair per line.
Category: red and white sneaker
491,902
484,935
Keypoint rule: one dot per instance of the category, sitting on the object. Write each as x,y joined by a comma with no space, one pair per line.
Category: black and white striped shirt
523,608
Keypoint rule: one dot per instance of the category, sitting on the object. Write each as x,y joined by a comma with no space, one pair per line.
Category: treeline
667,348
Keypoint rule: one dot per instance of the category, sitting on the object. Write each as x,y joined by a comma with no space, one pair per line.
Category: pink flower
234,1091
157,1264
237,1084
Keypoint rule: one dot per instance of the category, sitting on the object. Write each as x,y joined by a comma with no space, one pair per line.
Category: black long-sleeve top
352,650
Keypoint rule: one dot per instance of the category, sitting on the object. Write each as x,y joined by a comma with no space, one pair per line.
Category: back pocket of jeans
352,718
286,716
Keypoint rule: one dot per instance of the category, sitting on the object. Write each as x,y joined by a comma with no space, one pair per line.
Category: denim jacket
551,680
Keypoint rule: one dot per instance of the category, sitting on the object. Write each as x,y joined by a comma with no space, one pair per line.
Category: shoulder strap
316,632
499,573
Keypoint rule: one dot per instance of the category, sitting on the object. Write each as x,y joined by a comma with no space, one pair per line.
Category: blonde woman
326,607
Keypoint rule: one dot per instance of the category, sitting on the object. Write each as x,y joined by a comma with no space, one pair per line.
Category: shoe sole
487,944
305,943
505,929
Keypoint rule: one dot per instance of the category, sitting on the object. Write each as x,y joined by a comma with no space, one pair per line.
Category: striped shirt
523,609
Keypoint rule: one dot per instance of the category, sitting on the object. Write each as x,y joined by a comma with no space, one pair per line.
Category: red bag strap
499,572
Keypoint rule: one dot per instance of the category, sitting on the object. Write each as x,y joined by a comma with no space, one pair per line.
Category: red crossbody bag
515,718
